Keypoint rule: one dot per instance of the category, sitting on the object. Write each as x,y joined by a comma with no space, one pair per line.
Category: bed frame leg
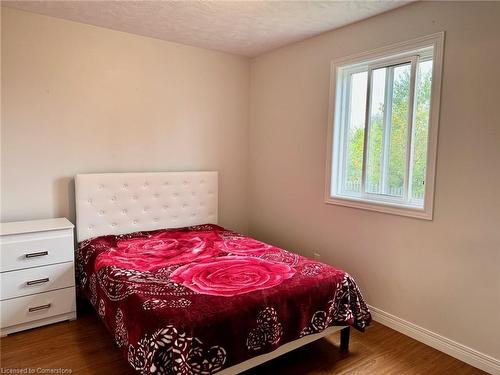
345,333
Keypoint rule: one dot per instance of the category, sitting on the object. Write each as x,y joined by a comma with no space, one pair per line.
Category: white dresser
37,279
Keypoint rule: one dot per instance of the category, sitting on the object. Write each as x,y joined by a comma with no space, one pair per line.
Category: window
382,138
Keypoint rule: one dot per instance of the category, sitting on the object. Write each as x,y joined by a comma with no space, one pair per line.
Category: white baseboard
441,343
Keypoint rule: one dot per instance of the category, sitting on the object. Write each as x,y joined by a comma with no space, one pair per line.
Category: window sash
344,120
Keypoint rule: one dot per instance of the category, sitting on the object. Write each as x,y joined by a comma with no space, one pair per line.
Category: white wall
78,98
444,274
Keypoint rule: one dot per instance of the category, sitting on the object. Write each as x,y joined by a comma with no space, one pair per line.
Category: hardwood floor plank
86,347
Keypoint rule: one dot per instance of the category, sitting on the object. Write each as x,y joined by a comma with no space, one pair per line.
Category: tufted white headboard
117,203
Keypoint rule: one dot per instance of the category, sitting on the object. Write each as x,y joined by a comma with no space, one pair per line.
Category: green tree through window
398,138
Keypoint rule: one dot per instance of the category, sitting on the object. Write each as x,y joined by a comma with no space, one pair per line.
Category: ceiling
246,28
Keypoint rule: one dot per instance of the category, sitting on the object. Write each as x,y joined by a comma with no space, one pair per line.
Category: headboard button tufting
118,203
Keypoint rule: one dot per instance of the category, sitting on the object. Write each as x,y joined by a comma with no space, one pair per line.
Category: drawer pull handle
39,281
37,308
39,254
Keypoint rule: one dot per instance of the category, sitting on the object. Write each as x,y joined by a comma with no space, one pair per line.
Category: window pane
398,131
355,132
388,130
375,129
421,128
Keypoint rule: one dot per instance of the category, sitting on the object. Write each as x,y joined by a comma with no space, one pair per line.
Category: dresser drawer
37,306
36,280
34,249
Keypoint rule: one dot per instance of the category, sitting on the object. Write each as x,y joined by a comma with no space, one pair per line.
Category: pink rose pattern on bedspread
229,276
200,299
156,251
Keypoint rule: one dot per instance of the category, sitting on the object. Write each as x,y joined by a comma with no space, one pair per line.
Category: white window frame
409,51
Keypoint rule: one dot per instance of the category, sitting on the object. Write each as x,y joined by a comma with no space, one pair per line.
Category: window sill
388,208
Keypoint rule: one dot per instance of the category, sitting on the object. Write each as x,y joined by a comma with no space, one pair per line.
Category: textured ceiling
246,28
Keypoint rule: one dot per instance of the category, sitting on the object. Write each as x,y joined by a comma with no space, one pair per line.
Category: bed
183,295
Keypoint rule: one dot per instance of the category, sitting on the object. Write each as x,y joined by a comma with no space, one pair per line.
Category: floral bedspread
199,299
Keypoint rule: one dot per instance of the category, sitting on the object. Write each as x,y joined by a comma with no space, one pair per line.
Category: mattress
199,299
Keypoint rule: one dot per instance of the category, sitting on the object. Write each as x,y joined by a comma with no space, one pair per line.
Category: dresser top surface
18,227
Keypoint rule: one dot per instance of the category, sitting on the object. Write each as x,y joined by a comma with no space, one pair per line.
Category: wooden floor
85,347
